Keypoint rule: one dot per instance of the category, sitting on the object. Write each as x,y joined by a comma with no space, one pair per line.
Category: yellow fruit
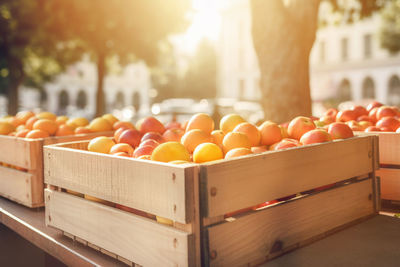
193,138
111,118
229,122
79,122
164,221
101,144
46,115
202,122
207,152
6,128
24,115
235,140
61,120
170,151
100,125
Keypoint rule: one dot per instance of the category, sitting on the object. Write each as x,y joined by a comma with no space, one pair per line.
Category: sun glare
205,24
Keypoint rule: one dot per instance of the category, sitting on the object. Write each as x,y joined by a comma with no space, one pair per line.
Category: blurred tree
390,30
129,29
200,80
283,34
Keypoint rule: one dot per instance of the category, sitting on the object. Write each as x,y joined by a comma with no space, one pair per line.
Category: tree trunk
283,35
100,105
16,78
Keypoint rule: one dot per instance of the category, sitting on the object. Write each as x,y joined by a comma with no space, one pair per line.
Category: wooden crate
389,159
196,197
21,171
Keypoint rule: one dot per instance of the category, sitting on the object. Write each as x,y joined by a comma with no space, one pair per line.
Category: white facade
345,60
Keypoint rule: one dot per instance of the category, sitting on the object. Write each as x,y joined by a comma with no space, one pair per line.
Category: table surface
374,242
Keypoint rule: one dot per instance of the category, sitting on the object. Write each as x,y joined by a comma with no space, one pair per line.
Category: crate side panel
20,152
73,138
242,183
390,183
137,239
389,147
155,188
16,186
251,238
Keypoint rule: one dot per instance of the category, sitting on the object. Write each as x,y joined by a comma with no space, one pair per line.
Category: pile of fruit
27,124
376,117
198,141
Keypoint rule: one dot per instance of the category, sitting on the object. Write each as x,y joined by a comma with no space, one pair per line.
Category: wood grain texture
252,238
74,138
153,187
390,183
16,186
245,182
18,151
135,238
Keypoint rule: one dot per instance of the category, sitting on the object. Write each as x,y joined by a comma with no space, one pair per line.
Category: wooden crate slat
390,183
149,186
137,239
74,138
19,151
251,238
16,185
282,173
389,147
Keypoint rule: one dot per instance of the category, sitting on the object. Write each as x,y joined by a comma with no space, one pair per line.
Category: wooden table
375,242
29,223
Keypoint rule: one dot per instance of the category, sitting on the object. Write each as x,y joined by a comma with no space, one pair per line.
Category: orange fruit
201,121
61,120
6,128
78,122
229,122
100,125
125,124
193,138
46,115
29,123
207,152
237,152
235,140
24,115
46,125
251,131
218,137
126,148
271,133
64,130
37,134
15,121
22,133
170,151
110,118
101,144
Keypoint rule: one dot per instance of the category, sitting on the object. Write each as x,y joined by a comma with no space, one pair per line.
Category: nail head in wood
370,197
213,254
276,247
174,208
213,191
175,243
49,218
173,177
370,154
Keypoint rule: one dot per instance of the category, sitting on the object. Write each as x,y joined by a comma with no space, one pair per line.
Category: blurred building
74,92
346,63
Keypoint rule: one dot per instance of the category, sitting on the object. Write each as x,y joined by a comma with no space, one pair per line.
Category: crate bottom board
390,183
17,186
117,232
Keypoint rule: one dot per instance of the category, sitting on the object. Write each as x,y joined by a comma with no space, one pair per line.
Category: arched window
63,100
43,98
344,92
136,101
81,101
119,101
394,91
368,88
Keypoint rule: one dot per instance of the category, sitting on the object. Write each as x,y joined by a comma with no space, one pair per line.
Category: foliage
390,30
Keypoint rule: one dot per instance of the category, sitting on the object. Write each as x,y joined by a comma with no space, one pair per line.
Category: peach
193,138
201,121
372,114
388,122
149,142
131,137
315,136
359,111
121,154
251,131
355,126
373,104
284,131
153,135
173,134
346,115
340,130
327,119
143,150
150,124
22,133
49,126
284,144
118,132
126,148
271,133
365,118
229,122
235,140
299,126
385,129
385,111
237,152
125,124
64,130
365,124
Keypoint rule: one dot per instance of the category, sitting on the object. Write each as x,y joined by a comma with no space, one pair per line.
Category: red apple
332,112
388,122
315,136
359,111
143,150
131,137
299,126
365,118
346,115
150,124
372,114
373,104
327,119
385,111
173,125
118,132
340,130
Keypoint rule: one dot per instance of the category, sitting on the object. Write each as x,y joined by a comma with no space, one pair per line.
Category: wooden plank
153,187
135,238
74,138
16,186
390,183
240,183
19,151
254,237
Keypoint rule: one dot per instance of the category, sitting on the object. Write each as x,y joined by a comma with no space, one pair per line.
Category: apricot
251,131
270,133
6,128
388,122
46,125
110,118
385,111
46,115
61,120
202,122
149,142
237,152
24,115
315,136
29,123
153,135
150,124
125,124
101,144
82,130
34,134
22,133
299,126
126,148
100,125
79,122
229,122
143,150
193,138
218,137
170,151
207,152
64,130
131,137
173,125
235,140
173,134
340,130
